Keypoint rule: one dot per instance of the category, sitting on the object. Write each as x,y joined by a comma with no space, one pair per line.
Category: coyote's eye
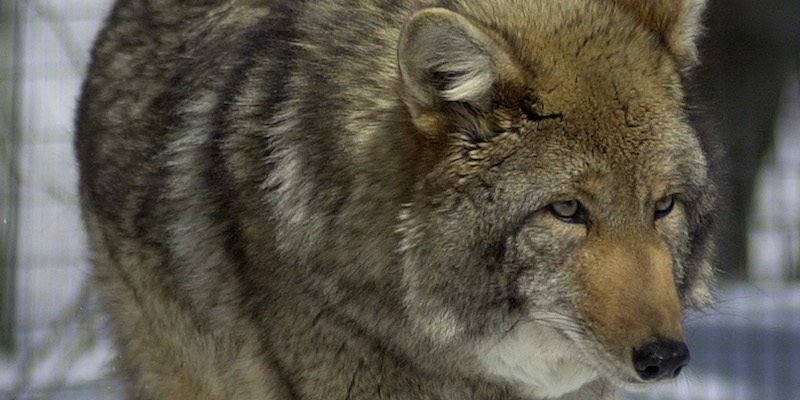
571,211
664,206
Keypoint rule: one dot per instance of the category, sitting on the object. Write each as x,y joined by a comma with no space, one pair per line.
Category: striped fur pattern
334,199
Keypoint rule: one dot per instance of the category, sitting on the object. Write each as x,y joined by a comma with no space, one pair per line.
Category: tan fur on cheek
629,297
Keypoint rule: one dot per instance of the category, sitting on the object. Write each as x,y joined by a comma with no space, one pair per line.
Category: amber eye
571,211
664,206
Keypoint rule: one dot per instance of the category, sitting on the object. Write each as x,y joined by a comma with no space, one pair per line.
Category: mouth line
617,376
606,366
592,354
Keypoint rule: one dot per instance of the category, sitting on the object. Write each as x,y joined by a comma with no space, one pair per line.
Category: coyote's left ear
445,58
678,22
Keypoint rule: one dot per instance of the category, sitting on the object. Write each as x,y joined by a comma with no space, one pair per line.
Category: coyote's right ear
443,57
676,21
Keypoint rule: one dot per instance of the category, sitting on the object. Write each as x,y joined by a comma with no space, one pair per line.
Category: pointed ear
443,57
678,22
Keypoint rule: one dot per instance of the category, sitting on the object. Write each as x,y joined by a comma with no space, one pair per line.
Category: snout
662,359
631,304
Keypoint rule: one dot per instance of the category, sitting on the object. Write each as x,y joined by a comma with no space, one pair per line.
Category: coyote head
562,215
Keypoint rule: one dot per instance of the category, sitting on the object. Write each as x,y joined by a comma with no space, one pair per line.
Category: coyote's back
455,199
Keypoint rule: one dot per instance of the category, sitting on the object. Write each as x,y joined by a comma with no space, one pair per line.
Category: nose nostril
651,372
659,360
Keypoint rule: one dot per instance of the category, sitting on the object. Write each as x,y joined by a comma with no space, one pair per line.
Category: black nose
660,360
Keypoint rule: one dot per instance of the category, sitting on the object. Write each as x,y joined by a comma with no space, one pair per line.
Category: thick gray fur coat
375,199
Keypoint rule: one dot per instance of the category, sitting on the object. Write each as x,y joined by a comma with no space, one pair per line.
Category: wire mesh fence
50,332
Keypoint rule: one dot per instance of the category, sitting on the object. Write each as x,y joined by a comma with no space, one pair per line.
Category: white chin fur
537,360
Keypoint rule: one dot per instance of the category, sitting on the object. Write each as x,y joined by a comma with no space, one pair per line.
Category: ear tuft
677,21
443,57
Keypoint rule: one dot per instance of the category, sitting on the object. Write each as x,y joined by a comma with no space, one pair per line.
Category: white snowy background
746,347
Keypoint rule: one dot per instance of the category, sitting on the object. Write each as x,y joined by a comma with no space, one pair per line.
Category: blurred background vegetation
751,59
